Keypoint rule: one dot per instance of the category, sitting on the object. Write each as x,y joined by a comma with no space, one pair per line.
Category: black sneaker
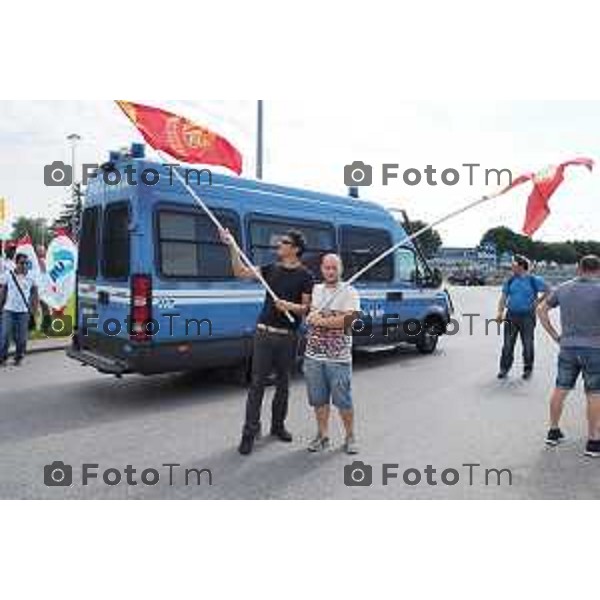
527,375
593,449
18,362
555,437
282,435
246,445
502,375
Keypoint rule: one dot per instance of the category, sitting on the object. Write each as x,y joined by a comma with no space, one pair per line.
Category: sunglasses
286,242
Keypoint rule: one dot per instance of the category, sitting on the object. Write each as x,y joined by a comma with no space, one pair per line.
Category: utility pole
260,148
74,139
76,191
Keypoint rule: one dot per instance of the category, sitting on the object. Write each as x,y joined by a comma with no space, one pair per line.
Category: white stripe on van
193,297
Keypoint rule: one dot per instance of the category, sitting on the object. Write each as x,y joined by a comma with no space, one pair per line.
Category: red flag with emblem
545,185
181,138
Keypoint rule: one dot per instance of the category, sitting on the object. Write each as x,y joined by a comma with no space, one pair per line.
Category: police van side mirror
438,278
435,280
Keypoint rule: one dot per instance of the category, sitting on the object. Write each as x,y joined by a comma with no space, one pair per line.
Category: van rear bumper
103,364
118,357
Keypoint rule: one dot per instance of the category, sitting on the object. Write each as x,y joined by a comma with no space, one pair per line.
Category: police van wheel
427,343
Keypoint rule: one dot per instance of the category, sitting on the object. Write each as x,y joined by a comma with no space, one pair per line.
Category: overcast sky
309,142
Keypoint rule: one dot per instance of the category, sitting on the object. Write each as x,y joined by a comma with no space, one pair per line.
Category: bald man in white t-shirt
328,356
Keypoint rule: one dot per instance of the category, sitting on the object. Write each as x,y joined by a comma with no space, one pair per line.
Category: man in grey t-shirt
579,302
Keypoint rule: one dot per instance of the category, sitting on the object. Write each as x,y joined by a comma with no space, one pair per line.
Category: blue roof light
138,151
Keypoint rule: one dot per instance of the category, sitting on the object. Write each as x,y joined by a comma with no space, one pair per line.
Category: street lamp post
74,139
260,140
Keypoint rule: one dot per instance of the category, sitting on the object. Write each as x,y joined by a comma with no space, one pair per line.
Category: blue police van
156,292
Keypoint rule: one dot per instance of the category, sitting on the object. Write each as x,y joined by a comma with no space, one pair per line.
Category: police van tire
427,343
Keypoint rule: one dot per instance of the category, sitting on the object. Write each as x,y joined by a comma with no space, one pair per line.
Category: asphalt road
445,410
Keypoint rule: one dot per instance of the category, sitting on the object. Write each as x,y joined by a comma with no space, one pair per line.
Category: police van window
88,244
406,266
264,235
360,246
190,248
115,242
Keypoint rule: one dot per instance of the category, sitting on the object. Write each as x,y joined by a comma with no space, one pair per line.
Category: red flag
545,185
181,138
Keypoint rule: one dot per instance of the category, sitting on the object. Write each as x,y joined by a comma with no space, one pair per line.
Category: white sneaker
351,447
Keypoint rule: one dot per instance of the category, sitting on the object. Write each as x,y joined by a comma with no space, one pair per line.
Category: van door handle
395,296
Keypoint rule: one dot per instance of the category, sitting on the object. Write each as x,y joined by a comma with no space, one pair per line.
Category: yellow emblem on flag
185,136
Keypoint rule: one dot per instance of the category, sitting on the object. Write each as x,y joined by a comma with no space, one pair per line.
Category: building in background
483,258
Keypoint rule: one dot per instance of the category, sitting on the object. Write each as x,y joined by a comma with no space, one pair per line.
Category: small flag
184,140
545,185
57,283
25,246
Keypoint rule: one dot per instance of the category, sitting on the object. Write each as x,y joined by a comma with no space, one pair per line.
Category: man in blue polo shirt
521,295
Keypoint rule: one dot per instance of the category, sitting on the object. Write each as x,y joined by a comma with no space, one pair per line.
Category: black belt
274,330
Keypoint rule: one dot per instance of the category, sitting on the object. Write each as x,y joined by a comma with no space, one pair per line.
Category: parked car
467,278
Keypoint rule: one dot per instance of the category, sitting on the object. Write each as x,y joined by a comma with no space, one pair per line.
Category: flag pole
409,239
219,226
419,233
213,218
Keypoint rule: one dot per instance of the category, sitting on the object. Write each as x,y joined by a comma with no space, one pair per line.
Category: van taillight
141,307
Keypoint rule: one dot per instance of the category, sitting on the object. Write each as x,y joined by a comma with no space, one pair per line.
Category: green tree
70,216
503,238
563,253
429,242
36,228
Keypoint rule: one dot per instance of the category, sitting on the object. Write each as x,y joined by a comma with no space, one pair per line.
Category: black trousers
519,325
273,353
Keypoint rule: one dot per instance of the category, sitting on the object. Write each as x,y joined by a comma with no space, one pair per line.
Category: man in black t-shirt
275,342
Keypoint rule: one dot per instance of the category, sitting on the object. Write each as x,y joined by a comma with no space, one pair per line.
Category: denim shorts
328,382
573,362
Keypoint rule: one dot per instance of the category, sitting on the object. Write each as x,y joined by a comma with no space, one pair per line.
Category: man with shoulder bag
19,302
